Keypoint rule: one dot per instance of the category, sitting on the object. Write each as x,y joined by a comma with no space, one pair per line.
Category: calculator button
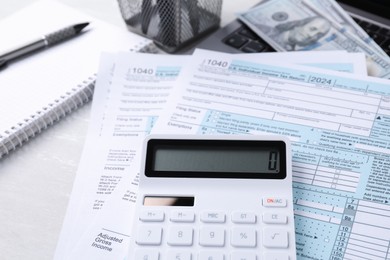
274,218
182,216
142,254
274,202
149,235
239,255
151,216
179,255
275,238
243,237
213,217
243,217
180,236
276,256
212,236
211,255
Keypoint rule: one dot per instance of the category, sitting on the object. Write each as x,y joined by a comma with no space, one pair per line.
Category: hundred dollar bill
373,56
289,25
340,16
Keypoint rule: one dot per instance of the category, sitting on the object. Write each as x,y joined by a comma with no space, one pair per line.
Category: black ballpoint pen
46,41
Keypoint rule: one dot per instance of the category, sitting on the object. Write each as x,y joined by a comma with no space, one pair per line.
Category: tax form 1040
339,127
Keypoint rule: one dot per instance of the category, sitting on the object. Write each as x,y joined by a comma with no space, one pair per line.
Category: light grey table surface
36,179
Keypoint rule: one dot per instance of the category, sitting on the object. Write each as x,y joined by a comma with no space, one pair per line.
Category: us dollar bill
298,25
340,16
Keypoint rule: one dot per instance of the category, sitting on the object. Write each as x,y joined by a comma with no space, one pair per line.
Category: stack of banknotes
298,25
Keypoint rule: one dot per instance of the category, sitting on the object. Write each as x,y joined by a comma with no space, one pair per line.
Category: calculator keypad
243,237
179,255
216,235
143,254
212,236
182,216
152,216
275,238
212,217
180,236
149,235
239,217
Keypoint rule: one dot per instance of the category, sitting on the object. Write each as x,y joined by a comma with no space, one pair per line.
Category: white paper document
338,124
126,109
121,117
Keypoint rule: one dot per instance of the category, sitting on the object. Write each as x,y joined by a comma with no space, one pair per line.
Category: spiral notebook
39,90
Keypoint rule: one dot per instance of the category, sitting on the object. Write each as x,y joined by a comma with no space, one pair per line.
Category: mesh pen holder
171,24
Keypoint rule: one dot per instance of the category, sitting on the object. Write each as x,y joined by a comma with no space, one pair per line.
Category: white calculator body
214,198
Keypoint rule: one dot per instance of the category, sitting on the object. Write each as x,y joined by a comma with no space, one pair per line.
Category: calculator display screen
169,201
216,158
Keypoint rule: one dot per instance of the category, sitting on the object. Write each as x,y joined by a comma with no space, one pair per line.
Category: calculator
213,197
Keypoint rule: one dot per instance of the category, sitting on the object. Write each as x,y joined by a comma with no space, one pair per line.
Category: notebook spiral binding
23,131
47,116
